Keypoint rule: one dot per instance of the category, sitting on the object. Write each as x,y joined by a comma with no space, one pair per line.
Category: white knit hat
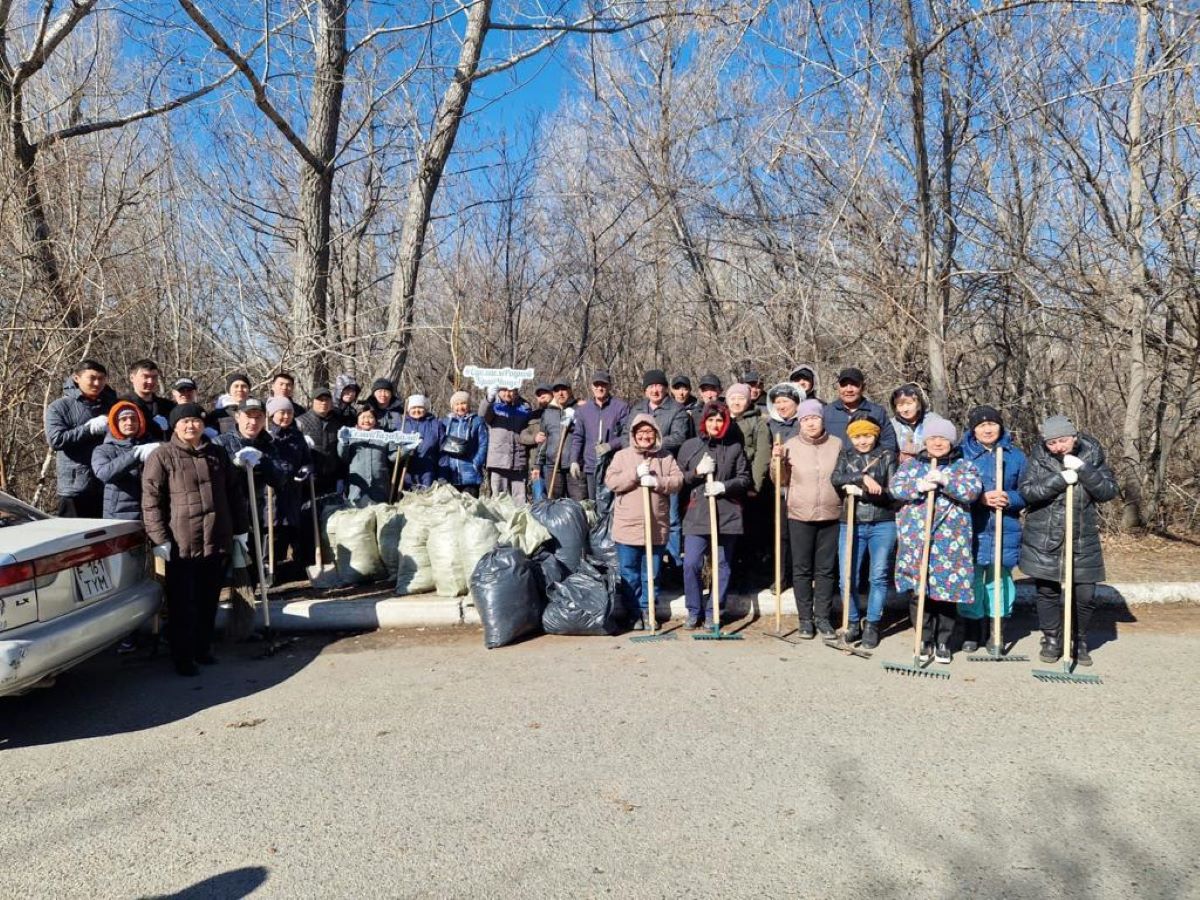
416,400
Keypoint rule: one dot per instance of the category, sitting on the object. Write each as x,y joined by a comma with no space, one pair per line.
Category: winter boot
1082,657
692,623
825,627
852,633
870,636
942,654
1051,651
971,629
805,631
926,654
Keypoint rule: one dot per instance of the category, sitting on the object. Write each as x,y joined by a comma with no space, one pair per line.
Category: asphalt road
419,764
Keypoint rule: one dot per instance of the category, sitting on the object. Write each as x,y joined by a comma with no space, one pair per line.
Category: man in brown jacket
193,509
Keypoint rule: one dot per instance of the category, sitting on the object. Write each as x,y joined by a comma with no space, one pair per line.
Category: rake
916,669
1068,675
715,590
273,646
776,467
840,643
654,636
995,647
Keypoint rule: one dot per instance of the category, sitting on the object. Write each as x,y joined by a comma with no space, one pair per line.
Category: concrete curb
366,613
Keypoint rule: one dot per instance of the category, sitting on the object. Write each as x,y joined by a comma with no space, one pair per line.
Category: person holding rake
938,476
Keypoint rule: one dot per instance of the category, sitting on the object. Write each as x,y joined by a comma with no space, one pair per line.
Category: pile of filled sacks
548,567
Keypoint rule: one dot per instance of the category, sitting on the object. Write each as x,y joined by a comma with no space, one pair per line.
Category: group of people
182,468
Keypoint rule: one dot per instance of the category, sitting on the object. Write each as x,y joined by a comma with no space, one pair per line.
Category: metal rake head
987,657
1059,677
716,635
918,671
653,638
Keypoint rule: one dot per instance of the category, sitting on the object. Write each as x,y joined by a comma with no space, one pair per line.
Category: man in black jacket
320,427
144,378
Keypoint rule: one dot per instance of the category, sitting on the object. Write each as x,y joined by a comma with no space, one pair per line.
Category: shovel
272,646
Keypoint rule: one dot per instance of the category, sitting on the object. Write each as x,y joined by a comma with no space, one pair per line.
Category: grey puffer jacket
1046,515
115,464
368,471
67,433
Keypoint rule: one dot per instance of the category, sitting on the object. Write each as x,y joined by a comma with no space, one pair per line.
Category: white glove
161,422
97,424
243,541
643,469
924,485
714,488
491,394
1072,462
575,470
648,481
568,417
853,490
938,476
247,457
706,465
143,451
344,434
1070,476
312,445
211,434
162,551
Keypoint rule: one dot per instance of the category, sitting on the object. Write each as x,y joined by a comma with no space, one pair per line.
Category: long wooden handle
776,462
848,568
715,549
258,556
1069,572
998,583
649,525
562,439
392,484
923,581
312,493
271,531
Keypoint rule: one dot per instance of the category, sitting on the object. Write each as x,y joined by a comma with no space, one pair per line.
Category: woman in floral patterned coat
955,485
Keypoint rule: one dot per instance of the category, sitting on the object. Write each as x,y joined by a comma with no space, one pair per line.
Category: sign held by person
498,378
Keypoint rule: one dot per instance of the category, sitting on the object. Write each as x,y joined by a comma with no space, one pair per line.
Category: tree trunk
310,286
421,192
1138,370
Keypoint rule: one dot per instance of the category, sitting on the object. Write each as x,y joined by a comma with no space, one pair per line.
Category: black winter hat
654,376
681,381
185,411
237,376
383,384
981,414
543,388
710,380
852,374
560,383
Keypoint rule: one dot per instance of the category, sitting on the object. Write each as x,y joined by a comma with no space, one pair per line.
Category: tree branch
50,36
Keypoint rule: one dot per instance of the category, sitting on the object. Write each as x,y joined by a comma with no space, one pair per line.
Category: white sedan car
68,589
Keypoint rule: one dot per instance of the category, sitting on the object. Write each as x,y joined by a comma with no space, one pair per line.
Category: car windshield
14,512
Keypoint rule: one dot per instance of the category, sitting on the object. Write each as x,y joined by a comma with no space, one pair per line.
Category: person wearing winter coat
368,465
465,445
681,393
985,435
75,425
758,393
813,508
851,400
389,411
750,427
220,420
144,379
423,461
558,424
283,386
782,425
643,464
119,460
345,399
954,483
710,392
863,472
533,437
909,406
1064,456
320,427
293,460
597,423
803,378
506,415
194,511
249,446
716,452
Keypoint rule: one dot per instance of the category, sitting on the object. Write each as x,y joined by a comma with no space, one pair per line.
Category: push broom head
915,670
1060,677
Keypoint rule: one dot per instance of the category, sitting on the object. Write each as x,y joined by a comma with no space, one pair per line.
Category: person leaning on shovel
194,509
1064,456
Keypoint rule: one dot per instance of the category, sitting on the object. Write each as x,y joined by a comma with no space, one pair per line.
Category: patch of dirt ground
1151,558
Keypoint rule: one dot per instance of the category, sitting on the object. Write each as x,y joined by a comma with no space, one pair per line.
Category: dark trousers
565,485
1050,607
472,489
814,548
193,588
88,505
940,620
696,551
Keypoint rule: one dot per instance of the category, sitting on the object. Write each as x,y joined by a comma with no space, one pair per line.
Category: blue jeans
695,556
538,487
632,558
877,539
675,536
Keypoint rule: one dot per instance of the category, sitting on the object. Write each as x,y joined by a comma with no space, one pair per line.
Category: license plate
93,579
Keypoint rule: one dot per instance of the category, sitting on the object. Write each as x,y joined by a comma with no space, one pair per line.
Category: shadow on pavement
111,694
229,885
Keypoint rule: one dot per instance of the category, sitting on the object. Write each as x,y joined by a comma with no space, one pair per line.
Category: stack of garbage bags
567,585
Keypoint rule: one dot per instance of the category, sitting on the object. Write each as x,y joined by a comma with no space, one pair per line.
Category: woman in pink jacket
642,464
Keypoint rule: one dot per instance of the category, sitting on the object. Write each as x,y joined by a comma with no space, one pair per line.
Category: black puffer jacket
732,469
880,464
323,433
1046,515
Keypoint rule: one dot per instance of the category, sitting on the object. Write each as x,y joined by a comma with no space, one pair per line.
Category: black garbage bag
605,498
585,603
567,523
505,588
548,569
600,544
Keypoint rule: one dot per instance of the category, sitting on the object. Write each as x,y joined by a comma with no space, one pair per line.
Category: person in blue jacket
465,445
117,462
985,434
422,463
